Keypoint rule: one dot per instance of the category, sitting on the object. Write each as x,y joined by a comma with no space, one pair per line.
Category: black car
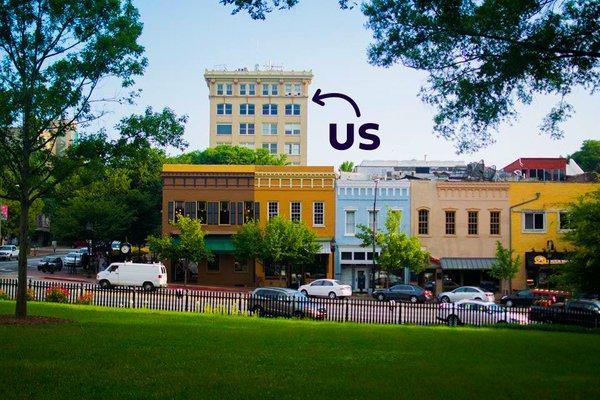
50,264
280,302
584,313
528,297
412,293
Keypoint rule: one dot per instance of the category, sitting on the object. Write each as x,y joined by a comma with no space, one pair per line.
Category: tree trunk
21,308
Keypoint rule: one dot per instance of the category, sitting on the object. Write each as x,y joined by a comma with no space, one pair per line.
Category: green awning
466,263
222,244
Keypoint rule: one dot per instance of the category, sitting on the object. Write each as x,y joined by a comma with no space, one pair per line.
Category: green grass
113,353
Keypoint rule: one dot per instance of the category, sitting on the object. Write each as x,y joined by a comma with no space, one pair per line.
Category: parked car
326,288
465,293
50,264
148,276
73,259
8,252
280,302
412,293
476,312
529,297
575,312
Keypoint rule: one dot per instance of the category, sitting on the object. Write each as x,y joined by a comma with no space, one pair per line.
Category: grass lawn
111,353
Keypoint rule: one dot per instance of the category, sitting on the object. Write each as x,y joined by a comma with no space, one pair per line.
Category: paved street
10,267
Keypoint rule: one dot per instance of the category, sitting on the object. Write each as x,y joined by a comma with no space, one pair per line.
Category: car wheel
445,299
478,298
148,286
509,303
453,320
304,292
413,299
258,310
380,297
104,284
332,295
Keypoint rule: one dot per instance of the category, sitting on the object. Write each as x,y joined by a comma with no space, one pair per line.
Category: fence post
29,285
399,313
81,290
239,303
346,301
133,296
186,299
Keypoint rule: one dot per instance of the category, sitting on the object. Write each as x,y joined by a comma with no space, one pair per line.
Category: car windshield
48,258
338,283
5,247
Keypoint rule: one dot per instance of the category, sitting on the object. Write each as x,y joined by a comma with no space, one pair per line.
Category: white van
148,276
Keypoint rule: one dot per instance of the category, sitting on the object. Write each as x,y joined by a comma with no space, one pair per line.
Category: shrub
87,298
30,294
57,295
3,295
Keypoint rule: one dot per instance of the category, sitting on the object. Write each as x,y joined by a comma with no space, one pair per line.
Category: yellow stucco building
538,221
304,194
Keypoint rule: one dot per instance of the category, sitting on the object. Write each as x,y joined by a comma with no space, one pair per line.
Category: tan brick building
260,109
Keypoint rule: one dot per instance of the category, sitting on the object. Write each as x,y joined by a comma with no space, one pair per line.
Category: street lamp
376,180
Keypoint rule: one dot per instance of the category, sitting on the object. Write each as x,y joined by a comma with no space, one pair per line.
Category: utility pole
376,180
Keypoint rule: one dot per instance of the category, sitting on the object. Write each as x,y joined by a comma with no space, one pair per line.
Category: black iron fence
340,310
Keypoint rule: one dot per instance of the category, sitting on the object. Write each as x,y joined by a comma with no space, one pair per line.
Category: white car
8,252
326,288
465,293
148,276
475,312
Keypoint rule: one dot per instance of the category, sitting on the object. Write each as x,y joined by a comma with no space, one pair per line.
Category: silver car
465,293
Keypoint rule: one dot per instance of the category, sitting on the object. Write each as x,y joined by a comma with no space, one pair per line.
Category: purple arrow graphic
318,98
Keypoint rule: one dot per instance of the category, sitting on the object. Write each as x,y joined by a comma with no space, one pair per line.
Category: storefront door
361,282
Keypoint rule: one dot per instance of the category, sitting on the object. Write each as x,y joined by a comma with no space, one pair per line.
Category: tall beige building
260,109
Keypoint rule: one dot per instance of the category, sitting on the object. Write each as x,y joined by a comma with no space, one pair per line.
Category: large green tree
483,57
283,242
582,272
588,156
54,55
398,250
226,154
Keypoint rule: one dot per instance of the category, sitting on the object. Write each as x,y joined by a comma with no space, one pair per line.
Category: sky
184,37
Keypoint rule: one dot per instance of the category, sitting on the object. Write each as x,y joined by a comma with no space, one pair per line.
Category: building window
246,129
318,213
247,109
224,129
269,109
229,89
251,89
274,89
292,109
273,209
534,221
213,266
564,221
224,109
179,210
423,222
297,89
248,145
472,223
272,147
295,211
288,89
240,266
292,149
248,211
494,222
373,219
224,213
220,89
346,255
247,89
202,216
269,129
242,89
292,129
359,255
265,89
350,222
450,222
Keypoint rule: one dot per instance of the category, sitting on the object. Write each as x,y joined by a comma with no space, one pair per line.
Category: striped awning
474,263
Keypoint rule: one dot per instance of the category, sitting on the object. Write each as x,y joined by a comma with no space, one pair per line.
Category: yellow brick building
260,109
538,222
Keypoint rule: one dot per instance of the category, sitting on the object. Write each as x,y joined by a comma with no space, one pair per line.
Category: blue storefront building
355,197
